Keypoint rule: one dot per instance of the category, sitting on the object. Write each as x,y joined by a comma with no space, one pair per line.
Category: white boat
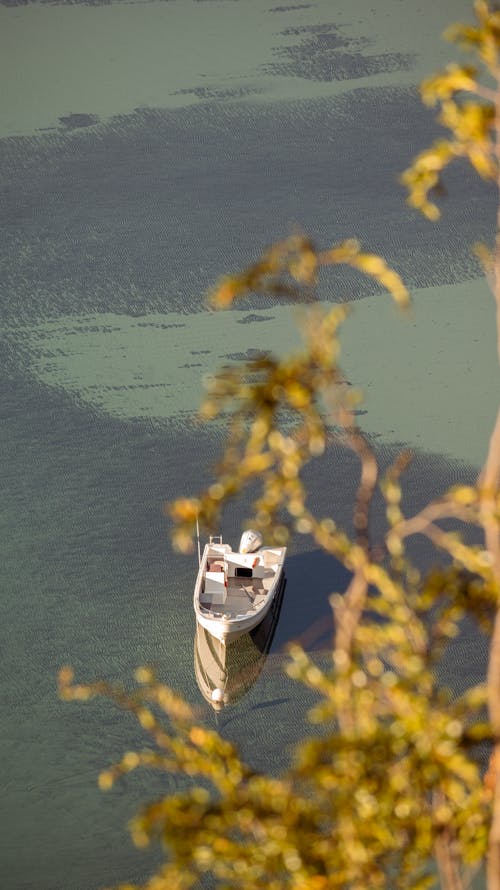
225,672
235,589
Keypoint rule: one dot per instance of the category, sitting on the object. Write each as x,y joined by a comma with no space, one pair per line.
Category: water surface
145,149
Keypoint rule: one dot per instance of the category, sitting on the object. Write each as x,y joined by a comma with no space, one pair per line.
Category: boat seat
215,588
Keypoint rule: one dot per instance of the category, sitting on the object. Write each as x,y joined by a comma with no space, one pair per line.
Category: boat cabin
231,576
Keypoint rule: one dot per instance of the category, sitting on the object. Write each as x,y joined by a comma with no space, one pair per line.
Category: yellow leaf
105,781
185,509
464,494
481,162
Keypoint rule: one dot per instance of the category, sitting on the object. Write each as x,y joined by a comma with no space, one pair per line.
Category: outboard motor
250,541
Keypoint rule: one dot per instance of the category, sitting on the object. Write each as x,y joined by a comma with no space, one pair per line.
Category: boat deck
244,595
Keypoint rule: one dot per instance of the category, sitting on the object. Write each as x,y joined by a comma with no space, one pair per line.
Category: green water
121,56
412,369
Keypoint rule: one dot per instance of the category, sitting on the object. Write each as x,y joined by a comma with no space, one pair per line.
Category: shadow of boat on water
311,579
225,673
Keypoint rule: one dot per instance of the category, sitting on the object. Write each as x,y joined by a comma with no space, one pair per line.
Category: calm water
145,149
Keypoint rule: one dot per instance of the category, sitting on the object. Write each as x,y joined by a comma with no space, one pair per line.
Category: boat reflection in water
225,673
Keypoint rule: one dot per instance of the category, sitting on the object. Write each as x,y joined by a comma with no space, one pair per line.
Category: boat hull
229,629
226,671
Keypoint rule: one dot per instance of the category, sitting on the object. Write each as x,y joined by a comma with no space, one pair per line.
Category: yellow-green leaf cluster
291,268
281,412
472,122
482,38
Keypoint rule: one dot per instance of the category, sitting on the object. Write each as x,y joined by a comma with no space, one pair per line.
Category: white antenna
198,539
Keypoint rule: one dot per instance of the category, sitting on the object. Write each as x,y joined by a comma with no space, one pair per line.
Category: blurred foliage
393,791
472,121
282,411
